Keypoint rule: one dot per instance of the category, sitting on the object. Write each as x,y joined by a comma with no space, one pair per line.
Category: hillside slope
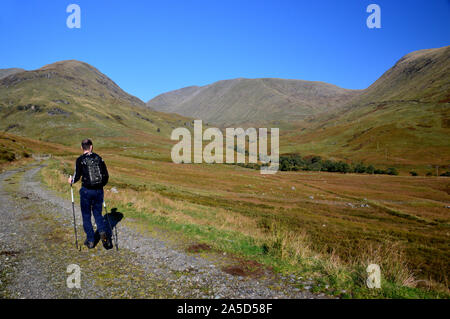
69,100
251,101
420,75
6,72
403,118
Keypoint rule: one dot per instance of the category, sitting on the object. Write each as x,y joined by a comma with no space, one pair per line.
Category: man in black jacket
92,170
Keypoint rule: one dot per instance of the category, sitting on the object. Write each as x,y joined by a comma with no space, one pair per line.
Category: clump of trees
446,174
295,162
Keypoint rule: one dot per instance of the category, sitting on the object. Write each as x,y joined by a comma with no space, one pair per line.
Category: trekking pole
73,211
110,227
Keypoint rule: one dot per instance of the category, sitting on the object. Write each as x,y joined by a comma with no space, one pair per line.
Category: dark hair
86,144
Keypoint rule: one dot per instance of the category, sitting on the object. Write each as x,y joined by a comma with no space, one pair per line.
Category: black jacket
81,171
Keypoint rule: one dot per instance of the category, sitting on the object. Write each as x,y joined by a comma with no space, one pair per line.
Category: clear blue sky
150,47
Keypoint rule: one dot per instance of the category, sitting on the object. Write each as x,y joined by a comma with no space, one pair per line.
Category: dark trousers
91,201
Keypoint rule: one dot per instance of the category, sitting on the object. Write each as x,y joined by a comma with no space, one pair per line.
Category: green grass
235,243
271,251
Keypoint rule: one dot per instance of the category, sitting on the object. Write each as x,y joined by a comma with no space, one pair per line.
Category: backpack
94,174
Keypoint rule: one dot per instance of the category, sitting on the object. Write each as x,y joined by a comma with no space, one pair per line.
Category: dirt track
36,246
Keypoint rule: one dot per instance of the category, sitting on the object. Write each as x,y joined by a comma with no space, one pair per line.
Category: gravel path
36,246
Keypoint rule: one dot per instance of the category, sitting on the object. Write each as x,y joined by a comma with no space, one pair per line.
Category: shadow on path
111,220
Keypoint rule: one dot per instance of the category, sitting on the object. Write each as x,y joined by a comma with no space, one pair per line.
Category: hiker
92,170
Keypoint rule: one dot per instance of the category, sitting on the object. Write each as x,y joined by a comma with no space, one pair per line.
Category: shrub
413,173
359,168
392,171
343,167
315,166
8,156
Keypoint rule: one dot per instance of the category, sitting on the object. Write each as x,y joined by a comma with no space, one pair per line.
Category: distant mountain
421,75
82,77
403,118
241,100
68,100
6,72
169,101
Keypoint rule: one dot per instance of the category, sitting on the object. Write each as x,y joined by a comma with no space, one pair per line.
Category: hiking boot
89,244
106,241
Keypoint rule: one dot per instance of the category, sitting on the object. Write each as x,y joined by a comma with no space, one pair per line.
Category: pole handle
71,189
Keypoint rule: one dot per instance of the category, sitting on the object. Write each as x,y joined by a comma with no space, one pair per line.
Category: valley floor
37,245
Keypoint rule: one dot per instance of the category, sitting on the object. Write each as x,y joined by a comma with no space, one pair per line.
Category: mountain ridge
232,97
72,70
6,72
424,72
403,118
68,100
407,106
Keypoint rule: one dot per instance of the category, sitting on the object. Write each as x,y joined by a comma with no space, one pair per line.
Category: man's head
86,145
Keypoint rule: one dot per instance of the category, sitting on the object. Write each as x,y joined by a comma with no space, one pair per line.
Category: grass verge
265,241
